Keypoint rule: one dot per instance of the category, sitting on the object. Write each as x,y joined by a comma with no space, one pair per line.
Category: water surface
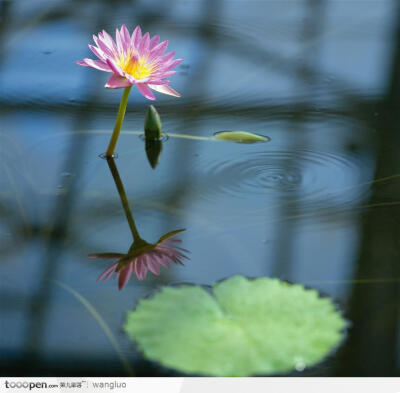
318,204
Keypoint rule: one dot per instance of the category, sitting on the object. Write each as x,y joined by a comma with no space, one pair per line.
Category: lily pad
240,137
243,327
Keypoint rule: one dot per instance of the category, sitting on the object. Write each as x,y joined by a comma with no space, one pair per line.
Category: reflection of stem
118,123
103,324
124,199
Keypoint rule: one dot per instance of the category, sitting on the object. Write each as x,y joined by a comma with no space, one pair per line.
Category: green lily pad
244,327
240,137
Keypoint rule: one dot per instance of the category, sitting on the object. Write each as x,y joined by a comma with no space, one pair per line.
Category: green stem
118,122
124,199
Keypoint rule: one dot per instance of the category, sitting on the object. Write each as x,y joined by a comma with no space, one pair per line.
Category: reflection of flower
134,60
143,256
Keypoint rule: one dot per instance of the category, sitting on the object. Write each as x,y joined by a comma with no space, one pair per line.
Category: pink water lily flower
143,257
134,60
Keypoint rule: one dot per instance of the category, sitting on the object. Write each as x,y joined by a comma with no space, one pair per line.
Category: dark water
318,205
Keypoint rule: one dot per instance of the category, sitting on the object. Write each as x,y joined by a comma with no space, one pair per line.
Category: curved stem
118,122
124,199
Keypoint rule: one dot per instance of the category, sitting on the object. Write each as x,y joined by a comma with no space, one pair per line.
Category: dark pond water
319,204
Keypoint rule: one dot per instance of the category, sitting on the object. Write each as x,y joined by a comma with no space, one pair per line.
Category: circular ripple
315,179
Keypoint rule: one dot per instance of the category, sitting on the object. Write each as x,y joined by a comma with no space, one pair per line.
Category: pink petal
154,41
182,249
144,45
162,74
114,67
102,46
136,37
125,275
157,82
166,58
146,91
98,64
117,82
164,89
160,258
158,50
130,78
98,52
163,260
164,256
172,64
177,260
153,266
168,73
174,247
168,66
143,81
126,38
141,269
180,255
174,258
109,275
107,39
120,46
171,253
82,63
110,269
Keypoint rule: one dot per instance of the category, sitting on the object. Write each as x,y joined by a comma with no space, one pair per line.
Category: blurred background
317,205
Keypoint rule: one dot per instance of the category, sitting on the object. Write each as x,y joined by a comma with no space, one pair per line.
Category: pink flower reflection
143,257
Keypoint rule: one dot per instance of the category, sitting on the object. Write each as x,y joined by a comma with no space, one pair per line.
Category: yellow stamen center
136,66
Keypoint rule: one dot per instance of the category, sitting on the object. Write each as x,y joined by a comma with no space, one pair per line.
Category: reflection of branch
141,256
373,309
124,199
